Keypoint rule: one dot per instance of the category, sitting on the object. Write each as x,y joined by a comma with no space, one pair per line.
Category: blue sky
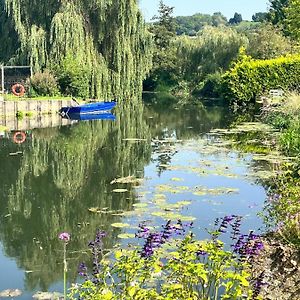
189,7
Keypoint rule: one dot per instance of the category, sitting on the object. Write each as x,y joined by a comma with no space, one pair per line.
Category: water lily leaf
127,180
120,225
126,236
120,190
140,205
183,203
177,179
94,210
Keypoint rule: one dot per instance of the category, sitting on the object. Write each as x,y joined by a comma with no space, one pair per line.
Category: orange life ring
19,137
18,90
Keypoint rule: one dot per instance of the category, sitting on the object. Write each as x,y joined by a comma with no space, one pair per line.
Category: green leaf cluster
175,271
248,78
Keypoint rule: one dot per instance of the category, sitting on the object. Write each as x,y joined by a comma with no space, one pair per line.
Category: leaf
140,205
120,190
126,236
177,179
120,225
94,210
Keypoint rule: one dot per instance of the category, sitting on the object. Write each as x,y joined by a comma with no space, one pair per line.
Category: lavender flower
64,236
248,246
156,239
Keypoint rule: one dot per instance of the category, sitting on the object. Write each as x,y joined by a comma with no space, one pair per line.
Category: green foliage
174,271
292,19
109,38
212,51
248,79
191,25
237,18
20,115
260,17
210,88
268,42
165,70
73,78
44,84
276,14
282,208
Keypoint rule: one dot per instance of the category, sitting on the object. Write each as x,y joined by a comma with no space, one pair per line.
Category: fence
42,114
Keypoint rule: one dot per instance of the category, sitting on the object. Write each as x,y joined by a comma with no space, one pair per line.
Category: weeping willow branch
108,37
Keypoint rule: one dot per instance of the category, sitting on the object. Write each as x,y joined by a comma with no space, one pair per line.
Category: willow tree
108,37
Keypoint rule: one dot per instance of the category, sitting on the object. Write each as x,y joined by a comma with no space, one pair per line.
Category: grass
3,128
10,97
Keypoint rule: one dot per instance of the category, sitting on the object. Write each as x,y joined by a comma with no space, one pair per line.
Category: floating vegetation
120,190
172,216
171,188
120,225
127,180
126,236
140,205
201,191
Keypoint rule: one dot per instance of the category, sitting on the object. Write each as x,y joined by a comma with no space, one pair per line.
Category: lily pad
126,236
127,180
140,205
120,225
120,190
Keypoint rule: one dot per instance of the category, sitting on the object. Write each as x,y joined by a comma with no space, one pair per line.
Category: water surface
49,183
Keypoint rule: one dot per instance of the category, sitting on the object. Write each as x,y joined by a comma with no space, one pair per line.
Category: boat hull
89,117
88,108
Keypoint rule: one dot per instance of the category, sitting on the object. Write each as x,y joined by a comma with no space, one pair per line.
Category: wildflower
64,236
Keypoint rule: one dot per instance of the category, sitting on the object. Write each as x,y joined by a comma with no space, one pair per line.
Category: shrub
73,77
248,78
211,86
44,84
172,264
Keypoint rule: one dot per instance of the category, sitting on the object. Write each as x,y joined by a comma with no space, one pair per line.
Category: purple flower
64,236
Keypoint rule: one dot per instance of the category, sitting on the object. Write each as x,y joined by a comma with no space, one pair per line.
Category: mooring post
2,79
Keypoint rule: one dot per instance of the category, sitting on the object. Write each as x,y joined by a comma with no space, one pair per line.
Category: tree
292,19
109,38
218,19
260,17
165,27
277,14
164,71
237,18
268,42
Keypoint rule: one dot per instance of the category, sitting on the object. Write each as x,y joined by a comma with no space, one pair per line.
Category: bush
172,264
248,78
73,77
44,84
211,86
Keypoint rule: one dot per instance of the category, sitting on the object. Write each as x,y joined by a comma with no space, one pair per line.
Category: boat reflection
89,117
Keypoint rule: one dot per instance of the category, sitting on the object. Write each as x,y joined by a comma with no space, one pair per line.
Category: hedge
248,79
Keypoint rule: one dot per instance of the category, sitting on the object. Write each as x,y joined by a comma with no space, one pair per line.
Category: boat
93,116
89,108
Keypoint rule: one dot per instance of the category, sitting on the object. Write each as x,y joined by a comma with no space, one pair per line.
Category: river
60,179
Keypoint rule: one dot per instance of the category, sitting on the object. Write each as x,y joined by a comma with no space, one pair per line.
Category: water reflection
59,173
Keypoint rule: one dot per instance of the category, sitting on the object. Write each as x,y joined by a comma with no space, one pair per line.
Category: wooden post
2,79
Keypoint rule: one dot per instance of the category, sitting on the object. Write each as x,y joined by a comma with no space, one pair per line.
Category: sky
189,7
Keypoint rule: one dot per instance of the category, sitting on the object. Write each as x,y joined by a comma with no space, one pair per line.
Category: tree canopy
109,38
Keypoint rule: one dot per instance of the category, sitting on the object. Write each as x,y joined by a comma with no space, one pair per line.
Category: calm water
49,183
